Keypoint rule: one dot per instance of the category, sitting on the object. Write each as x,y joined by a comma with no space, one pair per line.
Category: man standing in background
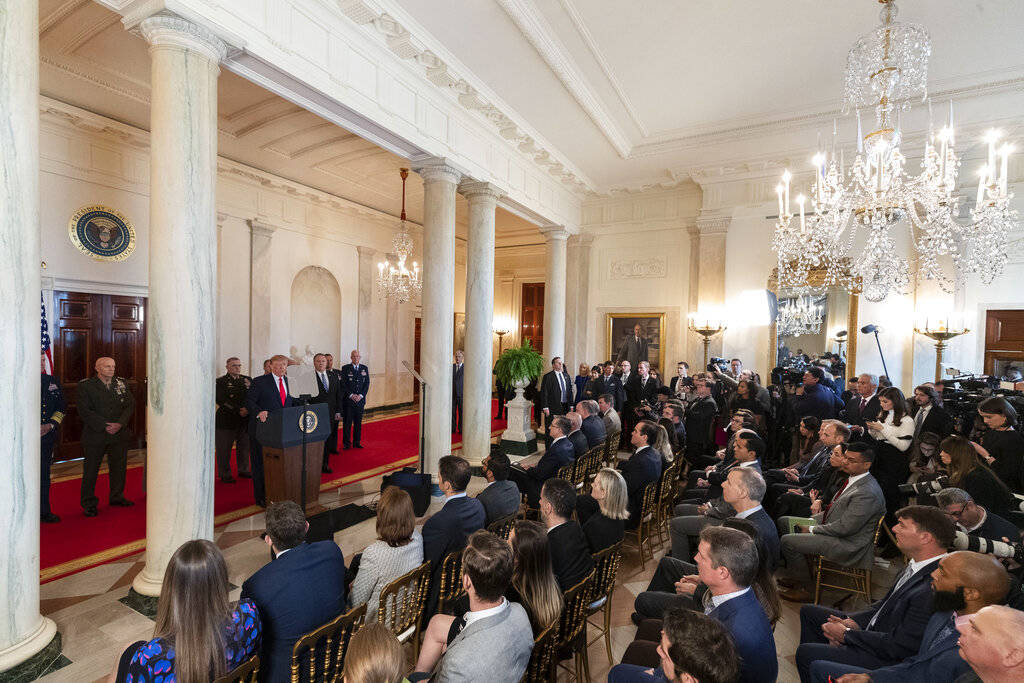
458,373
355,380
331,447
231,420
53,406
105,405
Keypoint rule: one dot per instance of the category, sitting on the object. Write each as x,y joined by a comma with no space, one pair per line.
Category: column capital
555,232
369,252
583,239
474,189
169,30
260,229
432,170
713,224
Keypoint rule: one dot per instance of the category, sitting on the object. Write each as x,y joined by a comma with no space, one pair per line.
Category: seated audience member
814,398
692,647
500,497
303,588
973,519
397,550
925,462
559,453
493,625
965,472
197,636
533,582
446,530
811,499
603,512
1002,446
641,468
374,655
593,426
963,583
611,419
747,449
830,433
890,630
844,531
663,444
742,492
992,643
699,421
806,443
575,435
746,398
570,555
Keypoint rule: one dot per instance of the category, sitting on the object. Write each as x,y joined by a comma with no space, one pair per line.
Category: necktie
904,577
918,421
828,507
456,628
323,380
280,385
863,404
561,387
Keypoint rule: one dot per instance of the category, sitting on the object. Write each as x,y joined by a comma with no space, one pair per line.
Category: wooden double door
90,326
1004,340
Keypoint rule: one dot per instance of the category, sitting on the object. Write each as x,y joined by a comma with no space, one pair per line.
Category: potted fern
518,366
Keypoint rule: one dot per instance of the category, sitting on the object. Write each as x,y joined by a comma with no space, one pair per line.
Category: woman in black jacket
965,472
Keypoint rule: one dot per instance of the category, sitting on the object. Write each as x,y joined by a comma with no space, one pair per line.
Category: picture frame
620,326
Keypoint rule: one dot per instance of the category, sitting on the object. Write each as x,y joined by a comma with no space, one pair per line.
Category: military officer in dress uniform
105,405
331,446
355,380
231,420
53,414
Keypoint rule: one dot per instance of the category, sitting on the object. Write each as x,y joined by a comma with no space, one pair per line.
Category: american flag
44,329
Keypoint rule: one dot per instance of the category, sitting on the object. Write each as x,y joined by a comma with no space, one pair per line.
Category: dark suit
500,499
634,349
446,532
302,589
264,394
937,659
54,408
700,416
579,443
230,425
642,468
853,414
896,634
354,381
674,384
995,528
612,384
559,454
99,404
551,396
593,429
937,421
332,442
745,620
817,400
458,374
331,395
769,534
570,554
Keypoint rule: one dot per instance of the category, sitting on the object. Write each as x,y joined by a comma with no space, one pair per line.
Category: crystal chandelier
798,317
396,281
886,69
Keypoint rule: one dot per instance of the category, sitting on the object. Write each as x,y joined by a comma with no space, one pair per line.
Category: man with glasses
973,519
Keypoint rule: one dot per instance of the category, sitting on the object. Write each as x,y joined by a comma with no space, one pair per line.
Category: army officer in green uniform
105,405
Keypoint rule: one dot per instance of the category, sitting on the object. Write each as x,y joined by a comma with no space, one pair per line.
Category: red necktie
284,394
828,507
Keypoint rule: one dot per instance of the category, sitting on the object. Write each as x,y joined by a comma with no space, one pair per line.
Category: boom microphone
868,329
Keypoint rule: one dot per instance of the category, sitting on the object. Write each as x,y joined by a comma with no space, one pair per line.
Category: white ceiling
641,91
90,61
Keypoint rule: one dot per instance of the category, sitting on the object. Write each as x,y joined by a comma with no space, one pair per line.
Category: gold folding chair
572,628
246,672
321,653
611,448
858,578
666,497
648,519
541,668
502,527
402,603
451,582
606,567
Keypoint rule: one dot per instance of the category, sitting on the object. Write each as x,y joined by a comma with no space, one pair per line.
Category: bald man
992,643
963,583
105,405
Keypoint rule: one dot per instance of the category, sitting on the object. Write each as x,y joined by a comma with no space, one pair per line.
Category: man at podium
267,394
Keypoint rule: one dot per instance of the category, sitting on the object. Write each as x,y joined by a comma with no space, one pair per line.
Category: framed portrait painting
636,337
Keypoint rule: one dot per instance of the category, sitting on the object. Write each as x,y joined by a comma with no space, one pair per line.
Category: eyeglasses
956,514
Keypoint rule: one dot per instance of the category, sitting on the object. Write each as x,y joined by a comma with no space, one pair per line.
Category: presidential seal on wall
102,233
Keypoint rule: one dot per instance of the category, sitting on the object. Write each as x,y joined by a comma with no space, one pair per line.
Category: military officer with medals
231,420
54,407
105,405
355,380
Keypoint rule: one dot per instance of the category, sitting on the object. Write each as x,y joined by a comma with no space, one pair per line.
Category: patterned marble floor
96,627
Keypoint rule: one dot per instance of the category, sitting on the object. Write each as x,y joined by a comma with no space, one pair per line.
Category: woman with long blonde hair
374,655
533,581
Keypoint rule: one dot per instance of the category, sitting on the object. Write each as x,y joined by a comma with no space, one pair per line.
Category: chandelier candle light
941,329
707,327
799,316
397,281
885,70
501,329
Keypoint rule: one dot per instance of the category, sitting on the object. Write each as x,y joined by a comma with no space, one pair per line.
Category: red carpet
79,542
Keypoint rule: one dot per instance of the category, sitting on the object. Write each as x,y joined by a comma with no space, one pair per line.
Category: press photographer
973,519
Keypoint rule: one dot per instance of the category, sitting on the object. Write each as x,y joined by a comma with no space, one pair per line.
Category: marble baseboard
46,661
519,448
143,604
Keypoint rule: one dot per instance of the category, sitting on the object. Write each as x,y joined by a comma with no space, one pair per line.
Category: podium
281,437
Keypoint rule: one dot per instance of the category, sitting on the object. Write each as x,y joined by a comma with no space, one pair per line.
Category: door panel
531,315
1004,340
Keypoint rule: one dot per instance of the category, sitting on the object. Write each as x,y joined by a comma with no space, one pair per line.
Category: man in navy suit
301,589
593,425
559,453
891,629
814,398
267,394
612,384
447,529
641,469
355,382
576,435
458,373
500,497
963,583
328,391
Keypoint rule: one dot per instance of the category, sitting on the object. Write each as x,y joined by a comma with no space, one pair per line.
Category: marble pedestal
519,439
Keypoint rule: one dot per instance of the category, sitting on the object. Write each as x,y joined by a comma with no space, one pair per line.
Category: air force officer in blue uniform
355,382
267,393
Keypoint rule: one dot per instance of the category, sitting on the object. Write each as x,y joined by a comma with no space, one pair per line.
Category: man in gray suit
634,347
493,641
500,497
843,532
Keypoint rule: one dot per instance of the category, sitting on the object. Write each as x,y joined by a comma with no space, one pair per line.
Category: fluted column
554,293
180,341
439,183
368,259
23,631
476,427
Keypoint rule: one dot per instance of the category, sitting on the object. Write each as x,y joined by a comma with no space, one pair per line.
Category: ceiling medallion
886,69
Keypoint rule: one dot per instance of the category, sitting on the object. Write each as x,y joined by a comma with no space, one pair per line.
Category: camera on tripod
925,488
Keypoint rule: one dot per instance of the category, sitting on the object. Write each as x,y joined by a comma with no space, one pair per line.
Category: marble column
368,259
439,183
180,343
476,423
554,293
23,631
577,303
260,271
712,228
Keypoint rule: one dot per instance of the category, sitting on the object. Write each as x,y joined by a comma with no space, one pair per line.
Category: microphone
868,329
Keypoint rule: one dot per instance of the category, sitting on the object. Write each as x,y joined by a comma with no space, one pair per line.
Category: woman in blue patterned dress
198,637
